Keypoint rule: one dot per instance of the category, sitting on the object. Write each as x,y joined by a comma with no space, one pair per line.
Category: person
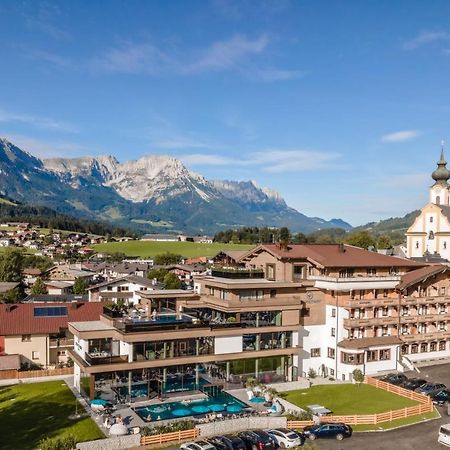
154,314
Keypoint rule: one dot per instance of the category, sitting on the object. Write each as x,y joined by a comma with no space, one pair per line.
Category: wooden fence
21,374
425,406
176,436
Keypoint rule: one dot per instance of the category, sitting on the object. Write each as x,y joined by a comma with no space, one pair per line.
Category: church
429,235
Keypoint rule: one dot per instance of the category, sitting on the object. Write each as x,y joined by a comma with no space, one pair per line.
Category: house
58,287
68,272
185,272
229,258
38,332
128,289
30,274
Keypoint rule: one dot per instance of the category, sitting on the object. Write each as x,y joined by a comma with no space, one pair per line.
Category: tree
39,287
358,376
13,295
361,239
11,265
285,236
164,259
157,274
171,281
300,238
384,241
80,286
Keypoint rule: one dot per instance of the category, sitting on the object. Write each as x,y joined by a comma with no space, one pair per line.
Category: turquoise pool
220,402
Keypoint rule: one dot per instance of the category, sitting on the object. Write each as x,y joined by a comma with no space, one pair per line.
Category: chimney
341,248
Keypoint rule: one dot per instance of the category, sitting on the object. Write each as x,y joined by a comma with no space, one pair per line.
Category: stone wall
113,443
240,424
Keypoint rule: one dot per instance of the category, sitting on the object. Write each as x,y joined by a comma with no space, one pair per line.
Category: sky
340,106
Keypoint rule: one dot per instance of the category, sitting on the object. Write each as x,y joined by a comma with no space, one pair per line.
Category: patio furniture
319,410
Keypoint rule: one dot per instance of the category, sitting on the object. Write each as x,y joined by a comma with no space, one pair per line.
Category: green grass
345,399
152,248
398,422
30,412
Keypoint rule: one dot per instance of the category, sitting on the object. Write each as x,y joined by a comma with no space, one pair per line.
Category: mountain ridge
153,193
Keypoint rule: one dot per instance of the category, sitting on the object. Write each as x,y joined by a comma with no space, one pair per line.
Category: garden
34,412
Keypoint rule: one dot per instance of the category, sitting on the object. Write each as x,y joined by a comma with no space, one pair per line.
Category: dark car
228,442
431,388
441,397
413,383
258,440
338,431
395,378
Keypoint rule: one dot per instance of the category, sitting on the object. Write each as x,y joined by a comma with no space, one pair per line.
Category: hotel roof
422,274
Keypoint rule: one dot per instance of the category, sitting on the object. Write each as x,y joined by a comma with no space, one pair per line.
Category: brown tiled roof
415,276
362,343
233,254
10,362
19,318
335,255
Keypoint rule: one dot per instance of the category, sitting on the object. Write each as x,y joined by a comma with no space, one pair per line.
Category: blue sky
339,106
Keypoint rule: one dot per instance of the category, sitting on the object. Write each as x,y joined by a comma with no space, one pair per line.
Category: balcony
237,273
369,302
95,359
424,300
424,318
62,342
355,282
373,321
434,336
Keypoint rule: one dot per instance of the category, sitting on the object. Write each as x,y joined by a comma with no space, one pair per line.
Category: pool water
218,401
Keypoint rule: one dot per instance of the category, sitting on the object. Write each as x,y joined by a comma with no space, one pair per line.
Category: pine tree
39,287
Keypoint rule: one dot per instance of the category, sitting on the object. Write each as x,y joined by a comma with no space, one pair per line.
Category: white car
286,438
197,445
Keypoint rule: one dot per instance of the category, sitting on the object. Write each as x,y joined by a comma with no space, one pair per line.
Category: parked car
431,388
228,442
338,431
198,445
413,383
258,440
395,378
441,397
286,438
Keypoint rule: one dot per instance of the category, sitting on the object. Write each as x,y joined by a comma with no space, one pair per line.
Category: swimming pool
220,402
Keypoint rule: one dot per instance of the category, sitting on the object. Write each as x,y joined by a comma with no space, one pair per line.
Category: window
251,294
26,337
431,235
34,355
297,271
445,245
442,345
270,271
109,288
417,244
52,311
414,348
443,290
332,372
385,355
346,273
123,288
352,358
431,218
62,353
423,347
333,332
433,347
405,349
273,293
371,272
372,355
315,352
333,312
331,353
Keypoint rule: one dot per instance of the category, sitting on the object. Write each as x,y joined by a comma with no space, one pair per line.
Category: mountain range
152,194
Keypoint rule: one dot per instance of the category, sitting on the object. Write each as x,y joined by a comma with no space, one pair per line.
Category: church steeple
441,174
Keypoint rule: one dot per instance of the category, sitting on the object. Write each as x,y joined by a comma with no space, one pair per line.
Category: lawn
345,399
30,412
145,249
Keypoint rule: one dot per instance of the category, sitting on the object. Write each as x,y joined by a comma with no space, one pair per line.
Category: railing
425,406
384,320
63,342
419,337
354,278
176,436
105,359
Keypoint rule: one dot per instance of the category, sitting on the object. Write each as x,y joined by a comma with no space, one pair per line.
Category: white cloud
236,53
43,148
425,38
36,121
270,161
400,136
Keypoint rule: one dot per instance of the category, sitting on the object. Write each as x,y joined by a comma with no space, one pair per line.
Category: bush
62,443
169,428
304,415
312,373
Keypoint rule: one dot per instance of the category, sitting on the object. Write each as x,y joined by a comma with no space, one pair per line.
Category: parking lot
420,436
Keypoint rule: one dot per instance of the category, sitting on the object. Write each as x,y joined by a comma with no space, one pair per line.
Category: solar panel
51,311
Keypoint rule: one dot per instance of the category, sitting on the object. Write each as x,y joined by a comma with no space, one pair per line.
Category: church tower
439,192
429,235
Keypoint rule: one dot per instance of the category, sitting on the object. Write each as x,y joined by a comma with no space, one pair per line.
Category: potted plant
270,393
